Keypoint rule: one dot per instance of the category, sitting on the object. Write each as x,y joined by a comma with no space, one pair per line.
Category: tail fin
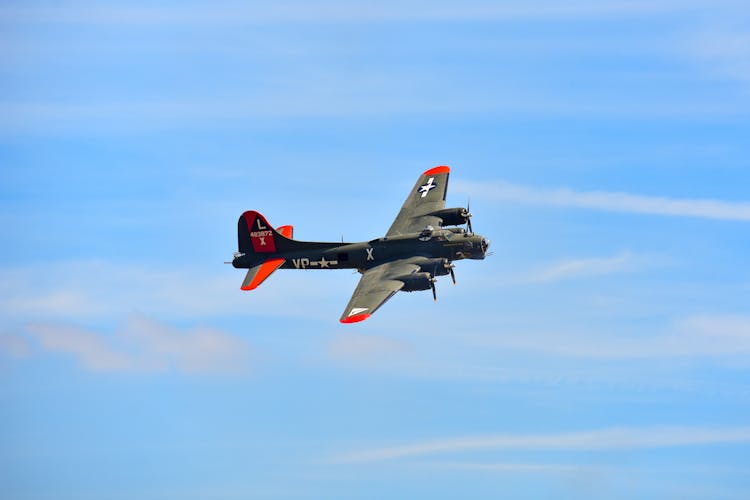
256,236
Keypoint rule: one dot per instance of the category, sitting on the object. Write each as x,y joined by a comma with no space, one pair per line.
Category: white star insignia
425,189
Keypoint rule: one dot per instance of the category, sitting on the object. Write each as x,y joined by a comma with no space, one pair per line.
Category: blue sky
603,351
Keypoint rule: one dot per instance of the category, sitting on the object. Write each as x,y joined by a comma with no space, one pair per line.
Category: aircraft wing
376,286
427,196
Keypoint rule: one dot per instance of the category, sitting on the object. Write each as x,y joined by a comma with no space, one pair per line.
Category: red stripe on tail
261,232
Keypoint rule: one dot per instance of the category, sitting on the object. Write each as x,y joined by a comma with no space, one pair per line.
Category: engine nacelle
452,216
416,282
435,267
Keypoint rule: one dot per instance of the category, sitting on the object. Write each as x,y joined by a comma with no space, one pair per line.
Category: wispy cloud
75,290
698,336
611,201
617,438
725,50
14,345
550,349
145,345
336,11
357,348
512,467
582,268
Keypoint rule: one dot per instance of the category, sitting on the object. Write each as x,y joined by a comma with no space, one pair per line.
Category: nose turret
485,245
474,247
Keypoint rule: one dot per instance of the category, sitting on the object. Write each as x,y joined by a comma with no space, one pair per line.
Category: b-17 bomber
421,244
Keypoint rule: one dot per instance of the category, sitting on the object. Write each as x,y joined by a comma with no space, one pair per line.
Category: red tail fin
256,235
264,237
260,231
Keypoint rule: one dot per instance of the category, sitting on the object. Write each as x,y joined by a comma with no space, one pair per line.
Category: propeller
466,214
450,266
433,279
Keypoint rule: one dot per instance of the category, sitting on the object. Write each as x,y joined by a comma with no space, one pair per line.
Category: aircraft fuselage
438,244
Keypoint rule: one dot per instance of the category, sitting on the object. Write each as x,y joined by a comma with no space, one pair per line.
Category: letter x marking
369,253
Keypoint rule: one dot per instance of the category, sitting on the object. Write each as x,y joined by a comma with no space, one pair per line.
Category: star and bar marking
304,263
425,188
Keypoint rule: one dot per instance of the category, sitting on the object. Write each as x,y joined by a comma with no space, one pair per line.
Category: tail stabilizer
258,241
258,274
255,235
286,231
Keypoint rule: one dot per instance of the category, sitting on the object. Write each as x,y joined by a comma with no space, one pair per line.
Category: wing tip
441,169
356,318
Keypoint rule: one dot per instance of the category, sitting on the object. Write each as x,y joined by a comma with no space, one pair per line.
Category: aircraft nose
485,244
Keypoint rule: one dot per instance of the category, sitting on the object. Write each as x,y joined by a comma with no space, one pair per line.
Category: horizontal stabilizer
286,231
258,274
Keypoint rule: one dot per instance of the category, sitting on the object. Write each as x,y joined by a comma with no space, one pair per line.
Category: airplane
420,245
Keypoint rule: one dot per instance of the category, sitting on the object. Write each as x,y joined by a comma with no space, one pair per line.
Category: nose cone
485,246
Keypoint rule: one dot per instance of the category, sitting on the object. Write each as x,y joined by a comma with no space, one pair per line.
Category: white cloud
617,438
145,345
324,90
581,268
533,347
77,290
14,345
703,336
93,350
511,467
367,349
726,328
336,11
724,50
609,201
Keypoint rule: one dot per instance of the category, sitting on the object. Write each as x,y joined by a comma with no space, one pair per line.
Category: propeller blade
433,279
468,217
450,266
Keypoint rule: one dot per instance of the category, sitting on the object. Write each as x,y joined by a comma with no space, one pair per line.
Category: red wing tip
356,318
249,287
442,169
